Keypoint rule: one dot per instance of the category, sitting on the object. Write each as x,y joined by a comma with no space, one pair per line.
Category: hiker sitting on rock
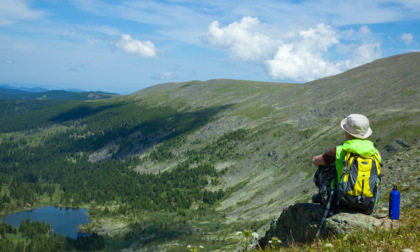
358,189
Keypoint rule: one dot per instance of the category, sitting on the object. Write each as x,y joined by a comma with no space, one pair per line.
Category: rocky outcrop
299,224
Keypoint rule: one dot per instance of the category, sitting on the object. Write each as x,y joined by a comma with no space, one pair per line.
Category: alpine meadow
193,163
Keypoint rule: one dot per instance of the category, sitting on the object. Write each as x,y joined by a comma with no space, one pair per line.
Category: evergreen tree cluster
44,153
32,164
36,237
81,181
34,229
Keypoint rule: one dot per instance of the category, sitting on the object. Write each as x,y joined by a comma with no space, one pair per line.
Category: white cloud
364,30
12,10
297,55
319,38
244,40
300,58
407,38
144,49
303,60
339,13
365,53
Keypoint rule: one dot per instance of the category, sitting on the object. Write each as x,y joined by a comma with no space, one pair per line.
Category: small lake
64,221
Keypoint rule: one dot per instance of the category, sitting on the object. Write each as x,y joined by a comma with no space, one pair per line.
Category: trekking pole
327,209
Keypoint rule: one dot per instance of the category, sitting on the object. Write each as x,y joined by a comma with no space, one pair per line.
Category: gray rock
402,143
390,148
299,223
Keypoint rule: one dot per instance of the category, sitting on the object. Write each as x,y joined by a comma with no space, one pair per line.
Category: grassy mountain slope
287,124
260,137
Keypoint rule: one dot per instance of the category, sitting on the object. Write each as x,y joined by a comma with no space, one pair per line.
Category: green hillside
178,163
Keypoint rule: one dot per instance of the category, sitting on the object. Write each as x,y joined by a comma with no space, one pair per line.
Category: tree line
36,237
32,165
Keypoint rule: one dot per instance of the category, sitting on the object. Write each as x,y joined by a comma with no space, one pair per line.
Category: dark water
63,220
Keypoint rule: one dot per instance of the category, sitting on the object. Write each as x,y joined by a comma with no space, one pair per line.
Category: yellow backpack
358,188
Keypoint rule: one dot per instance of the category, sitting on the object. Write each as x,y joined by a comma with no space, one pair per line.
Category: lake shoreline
63,220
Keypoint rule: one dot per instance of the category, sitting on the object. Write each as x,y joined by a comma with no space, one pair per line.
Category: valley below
193,163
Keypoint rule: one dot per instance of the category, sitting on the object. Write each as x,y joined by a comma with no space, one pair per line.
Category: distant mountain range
22,93
26,89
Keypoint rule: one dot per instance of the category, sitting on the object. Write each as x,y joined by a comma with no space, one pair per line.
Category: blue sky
125,46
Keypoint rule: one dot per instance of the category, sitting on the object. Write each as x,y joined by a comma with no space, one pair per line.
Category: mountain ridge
259,137
329,100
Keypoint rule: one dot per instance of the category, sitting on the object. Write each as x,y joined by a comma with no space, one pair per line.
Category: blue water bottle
394,204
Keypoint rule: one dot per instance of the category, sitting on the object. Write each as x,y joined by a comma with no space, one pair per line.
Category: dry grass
406,237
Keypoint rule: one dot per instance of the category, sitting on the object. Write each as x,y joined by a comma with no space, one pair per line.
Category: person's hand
318,160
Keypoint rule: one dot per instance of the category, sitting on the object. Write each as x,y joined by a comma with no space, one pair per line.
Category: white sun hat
357,125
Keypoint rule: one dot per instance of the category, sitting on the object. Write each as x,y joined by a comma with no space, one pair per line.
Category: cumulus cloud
144,49
302,59
244,40
300,55
407,38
